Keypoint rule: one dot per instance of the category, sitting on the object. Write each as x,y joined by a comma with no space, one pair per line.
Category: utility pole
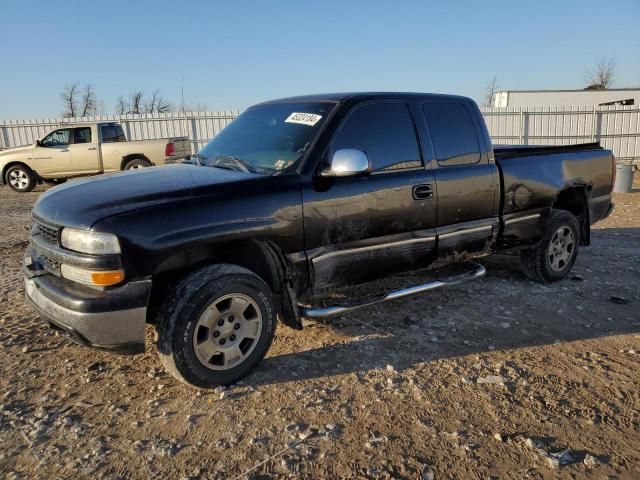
182,91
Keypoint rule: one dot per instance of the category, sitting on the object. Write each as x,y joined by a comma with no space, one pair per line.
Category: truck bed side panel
154,150
531,185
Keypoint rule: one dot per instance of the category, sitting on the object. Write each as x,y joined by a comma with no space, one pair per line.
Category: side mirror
348,162
38,143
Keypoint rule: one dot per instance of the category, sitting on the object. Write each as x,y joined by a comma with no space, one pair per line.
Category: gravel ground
497,378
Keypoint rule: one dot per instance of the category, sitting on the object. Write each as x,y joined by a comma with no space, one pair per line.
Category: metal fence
616,127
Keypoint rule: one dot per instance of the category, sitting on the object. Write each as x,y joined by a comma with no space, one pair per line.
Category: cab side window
57,138
112,134
385,132
82,135
452,132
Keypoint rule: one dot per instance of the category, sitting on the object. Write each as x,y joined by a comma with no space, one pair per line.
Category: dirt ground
500,378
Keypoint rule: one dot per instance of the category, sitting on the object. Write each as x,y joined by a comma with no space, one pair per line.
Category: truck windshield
266,138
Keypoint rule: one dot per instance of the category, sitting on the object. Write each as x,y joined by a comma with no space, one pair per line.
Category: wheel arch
575,199
133,156
13,163
263,258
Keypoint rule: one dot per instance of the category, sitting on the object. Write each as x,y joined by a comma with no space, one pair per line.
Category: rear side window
385,132
112,133
82,135
452,132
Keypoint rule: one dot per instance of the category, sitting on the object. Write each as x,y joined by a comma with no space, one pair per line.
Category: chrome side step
477,272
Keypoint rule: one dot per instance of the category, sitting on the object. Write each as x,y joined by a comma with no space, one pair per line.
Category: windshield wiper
223,161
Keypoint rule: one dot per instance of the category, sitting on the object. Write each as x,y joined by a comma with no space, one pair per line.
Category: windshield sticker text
309,119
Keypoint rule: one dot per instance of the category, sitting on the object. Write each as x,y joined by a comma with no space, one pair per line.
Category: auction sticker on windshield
309,119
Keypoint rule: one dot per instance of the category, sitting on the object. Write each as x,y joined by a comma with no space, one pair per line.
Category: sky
234,54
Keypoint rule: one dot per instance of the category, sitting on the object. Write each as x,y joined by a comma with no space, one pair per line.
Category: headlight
86,241
99,278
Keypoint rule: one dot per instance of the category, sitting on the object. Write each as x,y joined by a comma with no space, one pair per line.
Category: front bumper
111,320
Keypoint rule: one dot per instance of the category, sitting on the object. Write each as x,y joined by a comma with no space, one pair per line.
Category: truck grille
49,233
50,265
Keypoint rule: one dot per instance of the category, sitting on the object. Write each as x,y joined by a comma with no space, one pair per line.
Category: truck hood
13,151
82,203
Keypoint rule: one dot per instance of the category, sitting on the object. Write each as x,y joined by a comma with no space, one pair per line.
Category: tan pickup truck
84,149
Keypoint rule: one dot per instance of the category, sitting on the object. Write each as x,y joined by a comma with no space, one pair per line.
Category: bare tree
157,104
100,108
70,99
602,75
89,101
122,107
163,105
150,102
491,90
136,102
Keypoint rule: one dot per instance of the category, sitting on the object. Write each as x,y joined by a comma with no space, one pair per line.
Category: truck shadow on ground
463,321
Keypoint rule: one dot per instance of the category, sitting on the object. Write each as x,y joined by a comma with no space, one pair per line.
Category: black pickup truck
296,196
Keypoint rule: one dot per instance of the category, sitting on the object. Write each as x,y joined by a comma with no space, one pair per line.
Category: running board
479,271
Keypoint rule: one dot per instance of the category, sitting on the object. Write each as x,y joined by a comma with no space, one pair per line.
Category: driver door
51,158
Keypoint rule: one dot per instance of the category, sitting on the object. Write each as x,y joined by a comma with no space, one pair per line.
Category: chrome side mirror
348,162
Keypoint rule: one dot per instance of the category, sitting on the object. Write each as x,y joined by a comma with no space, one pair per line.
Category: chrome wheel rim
19,179
227,331
561,248
135,167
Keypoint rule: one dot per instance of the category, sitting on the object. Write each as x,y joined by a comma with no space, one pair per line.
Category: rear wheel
554,256
216,326
137,163
21,178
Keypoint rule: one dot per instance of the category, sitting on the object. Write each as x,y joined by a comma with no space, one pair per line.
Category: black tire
537,261
187,304
54,181
137,163
21,178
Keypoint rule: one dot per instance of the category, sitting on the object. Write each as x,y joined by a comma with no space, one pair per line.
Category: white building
536,98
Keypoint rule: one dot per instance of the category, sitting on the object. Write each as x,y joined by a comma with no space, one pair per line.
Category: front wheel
21,178
216,326
554,256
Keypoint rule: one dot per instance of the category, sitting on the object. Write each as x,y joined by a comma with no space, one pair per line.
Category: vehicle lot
485,379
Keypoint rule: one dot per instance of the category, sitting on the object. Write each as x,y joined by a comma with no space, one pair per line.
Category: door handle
422,192
65,150
92,148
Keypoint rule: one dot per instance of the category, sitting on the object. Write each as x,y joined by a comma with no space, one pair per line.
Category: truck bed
511,151
535,177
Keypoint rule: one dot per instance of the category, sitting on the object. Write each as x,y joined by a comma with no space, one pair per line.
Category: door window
385,132
57,138
452,132
82,135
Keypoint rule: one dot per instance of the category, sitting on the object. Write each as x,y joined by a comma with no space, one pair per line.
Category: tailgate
182,147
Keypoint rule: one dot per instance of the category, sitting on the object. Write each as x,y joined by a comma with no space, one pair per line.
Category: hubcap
19,179
561,248
135,167
227,331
